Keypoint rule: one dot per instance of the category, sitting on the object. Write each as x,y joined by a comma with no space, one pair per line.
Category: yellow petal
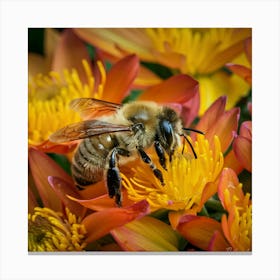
146,234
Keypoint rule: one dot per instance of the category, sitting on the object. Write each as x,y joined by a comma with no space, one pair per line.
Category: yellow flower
49,97
51,231
186,179
199,52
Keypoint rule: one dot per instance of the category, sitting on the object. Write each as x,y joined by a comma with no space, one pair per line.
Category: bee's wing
90,108
85,129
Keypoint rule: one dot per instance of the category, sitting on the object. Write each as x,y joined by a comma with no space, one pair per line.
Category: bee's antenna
186,138
194,130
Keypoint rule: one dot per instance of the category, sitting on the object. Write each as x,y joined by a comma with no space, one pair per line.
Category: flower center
185,179
49,98
51,231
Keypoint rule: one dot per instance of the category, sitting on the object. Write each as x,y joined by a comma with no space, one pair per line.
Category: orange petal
224,128
212,114
120,78
101,202
248,49
69,53
32,202
146,78
42,167
174,218
51,39
101,223
190,110
228,181
246,130
242,71
49,147
94,190
179,88
198,230
218,242
209,190
232,162
242,148
146,234
63,189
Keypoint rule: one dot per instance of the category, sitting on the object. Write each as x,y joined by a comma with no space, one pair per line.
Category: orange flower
234,233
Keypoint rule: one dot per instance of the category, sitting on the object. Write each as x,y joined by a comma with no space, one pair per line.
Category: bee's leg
160,153
148,160
113,175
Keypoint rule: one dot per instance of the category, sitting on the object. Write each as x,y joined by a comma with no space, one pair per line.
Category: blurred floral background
206,74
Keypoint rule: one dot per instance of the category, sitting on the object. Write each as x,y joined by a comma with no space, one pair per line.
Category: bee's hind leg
113,175
148,160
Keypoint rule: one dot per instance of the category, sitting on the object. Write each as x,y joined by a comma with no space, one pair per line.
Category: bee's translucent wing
90,108
85,129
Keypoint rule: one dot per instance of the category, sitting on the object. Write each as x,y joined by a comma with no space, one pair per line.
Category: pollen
51,231
49,97
185,178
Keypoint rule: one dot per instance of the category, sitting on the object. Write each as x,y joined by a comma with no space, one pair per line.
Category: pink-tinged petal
147,234
232,162
249,107
212,114
190,110
242,148
242,71
42,167
101,223
198,230
218,242
224,128
69,53
101,202
120,78
63,189
248,49
228,182
246,130
179,88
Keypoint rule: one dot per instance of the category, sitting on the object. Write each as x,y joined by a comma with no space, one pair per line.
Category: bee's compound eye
166,130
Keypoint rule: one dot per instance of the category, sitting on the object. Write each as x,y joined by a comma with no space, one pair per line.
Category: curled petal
198,230
42,167
101,223
146,234
120,78
69,53
63,189
242,148
179,88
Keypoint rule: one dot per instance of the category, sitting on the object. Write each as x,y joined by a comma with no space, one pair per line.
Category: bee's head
168,130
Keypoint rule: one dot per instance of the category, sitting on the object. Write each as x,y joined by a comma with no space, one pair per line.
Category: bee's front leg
148,160
113,175
160,153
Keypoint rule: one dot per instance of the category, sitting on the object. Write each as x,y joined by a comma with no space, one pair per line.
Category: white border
17,16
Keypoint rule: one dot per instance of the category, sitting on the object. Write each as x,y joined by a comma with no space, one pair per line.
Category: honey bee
113,134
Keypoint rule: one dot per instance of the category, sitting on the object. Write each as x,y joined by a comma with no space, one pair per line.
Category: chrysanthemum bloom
49,98
52,231
189,182
199,52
